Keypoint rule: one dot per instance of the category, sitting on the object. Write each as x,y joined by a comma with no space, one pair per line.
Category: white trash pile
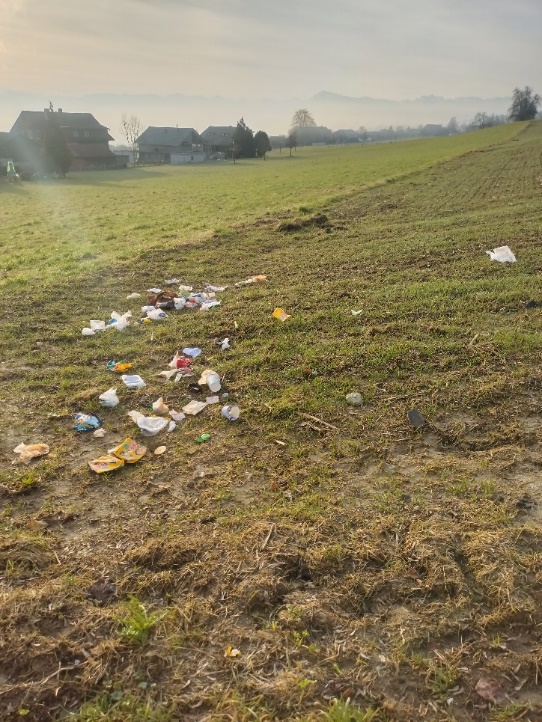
181,367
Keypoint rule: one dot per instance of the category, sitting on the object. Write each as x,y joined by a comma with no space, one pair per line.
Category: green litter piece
203,438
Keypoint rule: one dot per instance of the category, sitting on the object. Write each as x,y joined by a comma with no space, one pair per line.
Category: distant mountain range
330,109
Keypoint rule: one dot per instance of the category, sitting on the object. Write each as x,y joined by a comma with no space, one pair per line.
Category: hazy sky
382,48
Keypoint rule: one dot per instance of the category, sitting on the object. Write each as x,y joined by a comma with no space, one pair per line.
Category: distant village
88,141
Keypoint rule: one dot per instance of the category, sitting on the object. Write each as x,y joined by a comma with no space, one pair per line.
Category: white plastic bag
502,254
109,399
149,425
156,314
133,381
120,322
152,425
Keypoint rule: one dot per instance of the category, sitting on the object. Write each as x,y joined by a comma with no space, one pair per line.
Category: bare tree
130,126
302,119
291,141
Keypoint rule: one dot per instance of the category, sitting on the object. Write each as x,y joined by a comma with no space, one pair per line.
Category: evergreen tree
262,143
58,157
243,141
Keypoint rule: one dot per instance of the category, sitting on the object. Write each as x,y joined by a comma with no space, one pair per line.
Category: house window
87,133
76,134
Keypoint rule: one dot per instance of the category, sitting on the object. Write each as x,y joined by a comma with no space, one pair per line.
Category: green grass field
362,569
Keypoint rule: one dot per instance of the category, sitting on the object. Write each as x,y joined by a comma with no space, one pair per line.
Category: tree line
57,156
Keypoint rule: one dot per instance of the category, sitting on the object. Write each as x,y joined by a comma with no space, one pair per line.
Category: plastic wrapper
130,451
27,452
86,422
109,399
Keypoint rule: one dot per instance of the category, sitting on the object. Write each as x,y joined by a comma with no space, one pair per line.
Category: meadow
314,560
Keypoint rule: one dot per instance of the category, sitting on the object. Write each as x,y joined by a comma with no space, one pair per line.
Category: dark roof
219,134
35,119
168,136
90,150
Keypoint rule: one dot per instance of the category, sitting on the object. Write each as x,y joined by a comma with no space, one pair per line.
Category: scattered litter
231,412
491,691
280,443
194,407
209,304
119,321
118,366
185,288
354,399
99,433
86,422
203,438
130,451
109,398
156,314
193,352
171,281
149,425
93,327
108,462
176,415
415,418
155,291
280,314
214,289
212,400
159,407
195,389
224,345
160,450
179,303
171,427
133,296
168,374
252,279
502,254
136,416
182,363
28,452
212,379
133,381
231,652
356,313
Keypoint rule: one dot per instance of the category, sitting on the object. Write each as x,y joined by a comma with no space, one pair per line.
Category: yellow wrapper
280,314
108,462
130,451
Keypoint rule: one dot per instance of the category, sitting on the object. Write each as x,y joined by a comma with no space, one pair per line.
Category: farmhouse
87,139
170,145
218,139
